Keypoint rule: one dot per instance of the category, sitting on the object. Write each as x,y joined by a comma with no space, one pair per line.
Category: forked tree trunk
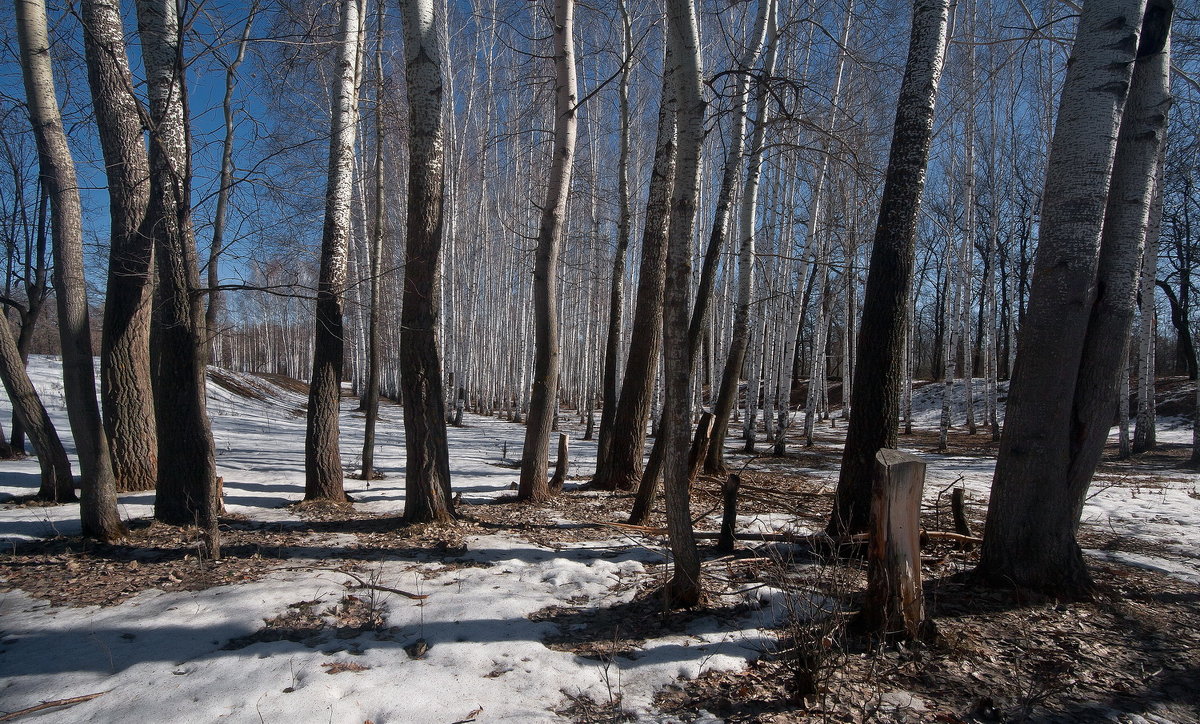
543,398
125,387
876,393
187,478
57,485
98,506
427,470
1075,340
322,455
684,588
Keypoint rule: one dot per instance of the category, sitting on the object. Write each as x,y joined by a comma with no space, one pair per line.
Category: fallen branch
361,582
792,537
51,705
385,589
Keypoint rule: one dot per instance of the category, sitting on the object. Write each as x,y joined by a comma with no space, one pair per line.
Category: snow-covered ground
160,655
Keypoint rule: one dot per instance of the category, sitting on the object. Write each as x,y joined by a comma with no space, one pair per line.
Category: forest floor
549,613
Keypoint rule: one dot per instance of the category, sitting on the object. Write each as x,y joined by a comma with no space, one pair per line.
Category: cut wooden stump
563,464
958,507
894,605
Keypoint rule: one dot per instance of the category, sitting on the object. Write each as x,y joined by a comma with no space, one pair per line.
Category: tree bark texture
1075,340
98,504
543,398
684,588
322,456
427,473
616,302
894,605
187,479
125,387
875,395
621,469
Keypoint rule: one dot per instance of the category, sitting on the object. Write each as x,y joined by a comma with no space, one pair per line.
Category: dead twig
51,705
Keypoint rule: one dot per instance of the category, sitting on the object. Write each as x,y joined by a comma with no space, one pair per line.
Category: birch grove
606,221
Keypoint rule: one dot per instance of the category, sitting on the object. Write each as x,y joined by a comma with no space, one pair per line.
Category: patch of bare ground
998,655
75,571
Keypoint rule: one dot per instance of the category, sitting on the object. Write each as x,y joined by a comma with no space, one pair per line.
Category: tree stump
894,605
958,508
563,464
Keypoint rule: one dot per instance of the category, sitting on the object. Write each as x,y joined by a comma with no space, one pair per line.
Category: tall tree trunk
623,466
98,505
684,588
187,477
1144,437
876,393
729,176
57,485
224,188
543,399
125,387
322,455
739,336
616,302
427,473
1075,340
36,290
370,399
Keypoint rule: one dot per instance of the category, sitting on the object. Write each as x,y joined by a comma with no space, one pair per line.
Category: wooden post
958,507
729,519
563,464
894,603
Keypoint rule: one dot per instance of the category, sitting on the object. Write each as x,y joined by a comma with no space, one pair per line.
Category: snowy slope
161,656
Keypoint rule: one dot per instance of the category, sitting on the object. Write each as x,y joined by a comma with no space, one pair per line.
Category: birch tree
612,344
187,477
1074,343
543,398
322,455
427,473
684,588
98,503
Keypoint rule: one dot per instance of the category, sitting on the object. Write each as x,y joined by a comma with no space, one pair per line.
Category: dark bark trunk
622,468
125,387
875,396
1184,345
543,399
427,472
98,508
187,479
